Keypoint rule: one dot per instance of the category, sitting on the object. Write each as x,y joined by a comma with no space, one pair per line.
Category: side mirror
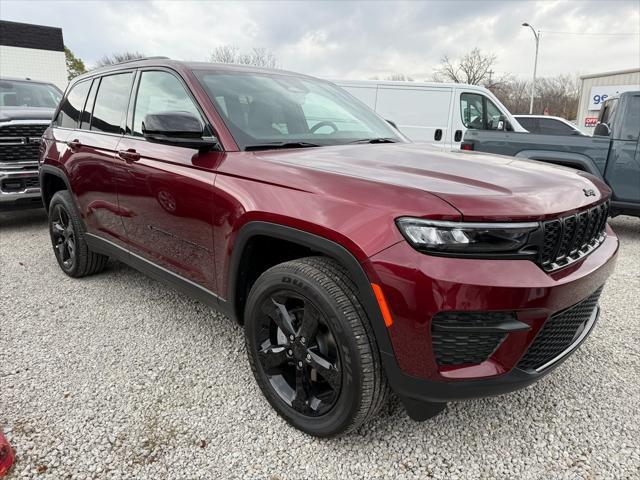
393,124
602,130
181,129
504,124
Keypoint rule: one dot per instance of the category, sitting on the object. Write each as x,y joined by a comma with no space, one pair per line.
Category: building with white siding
32,51
596,88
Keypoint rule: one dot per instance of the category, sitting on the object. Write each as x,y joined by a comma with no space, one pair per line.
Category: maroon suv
356,261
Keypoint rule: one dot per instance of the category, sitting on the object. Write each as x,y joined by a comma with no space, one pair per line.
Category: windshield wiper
375,140
274,145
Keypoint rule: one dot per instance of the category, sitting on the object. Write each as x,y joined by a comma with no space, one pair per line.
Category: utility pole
536,34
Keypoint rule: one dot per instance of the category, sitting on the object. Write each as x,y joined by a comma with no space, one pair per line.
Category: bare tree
514,94
557,95
117,58
474,67
259,57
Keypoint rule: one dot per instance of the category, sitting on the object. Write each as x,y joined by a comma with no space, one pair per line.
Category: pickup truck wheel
67,237
311,348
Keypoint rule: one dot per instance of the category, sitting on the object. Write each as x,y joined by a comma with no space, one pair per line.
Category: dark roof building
32,51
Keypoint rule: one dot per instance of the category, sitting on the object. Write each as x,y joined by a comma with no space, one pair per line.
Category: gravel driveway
117,376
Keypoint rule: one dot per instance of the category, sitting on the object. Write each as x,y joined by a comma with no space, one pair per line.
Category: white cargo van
435,113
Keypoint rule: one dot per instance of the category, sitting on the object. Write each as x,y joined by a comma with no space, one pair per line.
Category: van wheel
67,237
311,347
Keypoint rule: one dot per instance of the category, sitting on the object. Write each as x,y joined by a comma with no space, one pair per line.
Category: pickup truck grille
20,142
569,238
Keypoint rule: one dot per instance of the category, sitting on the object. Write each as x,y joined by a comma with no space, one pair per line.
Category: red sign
590,121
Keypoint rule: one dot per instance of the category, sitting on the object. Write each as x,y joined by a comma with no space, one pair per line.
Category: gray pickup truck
612,153
26,108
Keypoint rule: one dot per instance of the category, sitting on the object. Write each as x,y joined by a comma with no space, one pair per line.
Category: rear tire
311,347
67,237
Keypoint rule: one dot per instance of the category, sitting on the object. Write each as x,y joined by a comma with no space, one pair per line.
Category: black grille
454,346
19,184
558,333
23,130
25,150
19,153
571,237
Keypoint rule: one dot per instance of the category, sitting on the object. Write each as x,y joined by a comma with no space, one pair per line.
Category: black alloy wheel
63,237
298,353
67,232
311,347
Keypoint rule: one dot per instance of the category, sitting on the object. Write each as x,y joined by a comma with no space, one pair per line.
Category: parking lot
117,376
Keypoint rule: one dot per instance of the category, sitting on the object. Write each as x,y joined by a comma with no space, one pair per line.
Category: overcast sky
354,39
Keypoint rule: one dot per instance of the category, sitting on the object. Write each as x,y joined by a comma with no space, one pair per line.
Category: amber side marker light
382,302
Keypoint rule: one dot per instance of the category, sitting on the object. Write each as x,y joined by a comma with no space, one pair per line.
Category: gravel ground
116,376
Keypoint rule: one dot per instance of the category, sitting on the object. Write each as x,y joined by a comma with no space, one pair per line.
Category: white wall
45,65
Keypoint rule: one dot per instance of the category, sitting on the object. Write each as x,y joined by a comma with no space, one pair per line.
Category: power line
590,33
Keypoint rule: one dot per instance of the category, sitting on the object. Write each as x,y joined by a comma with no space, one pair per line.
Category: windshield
262,109
27,94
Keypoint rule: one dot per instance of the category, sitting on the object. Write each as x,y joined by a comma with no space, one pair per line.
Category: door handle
437,136
129,155
457,136
74,144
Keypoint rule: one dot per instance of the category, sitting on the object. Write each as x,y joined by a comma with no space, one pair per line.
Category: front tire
311,347
67,237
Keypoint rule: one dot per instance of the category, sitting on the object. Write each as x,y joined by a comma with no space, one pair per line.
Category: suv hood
480,186
25,113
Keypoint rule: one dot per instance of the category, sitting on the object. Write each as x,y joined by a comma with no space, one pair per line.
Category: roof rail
140,59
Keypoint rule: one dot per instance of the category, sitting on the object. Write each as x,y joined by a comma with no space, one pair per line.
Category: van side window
72,105
478,112
493,114
472,111
160,92
111,103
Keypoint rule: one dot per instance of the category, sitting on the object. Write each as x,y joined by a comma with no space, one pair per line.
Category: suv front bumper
419,286
19,188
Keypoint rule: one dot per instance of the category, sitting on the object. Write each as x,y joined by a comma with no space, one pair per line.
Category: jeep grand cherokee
358,262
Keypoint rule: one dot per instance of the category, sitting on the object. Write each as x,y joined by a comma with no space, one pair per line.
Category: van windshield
28,94
262,109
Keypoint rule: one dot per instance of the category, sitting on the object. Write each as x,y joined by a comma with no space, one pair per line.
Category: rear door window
72,105
630,127
85,117
111,103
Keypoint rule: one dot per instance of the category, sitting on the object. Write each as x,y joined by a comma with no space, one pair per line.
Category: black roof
26,35
180,65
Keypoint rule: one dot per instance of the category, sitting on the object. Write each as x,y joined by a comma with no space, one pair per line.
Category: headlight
466,238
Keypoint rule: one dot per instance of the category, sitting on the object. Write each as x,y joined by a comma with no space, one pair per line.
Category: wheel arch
52,179
564,159
315,245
